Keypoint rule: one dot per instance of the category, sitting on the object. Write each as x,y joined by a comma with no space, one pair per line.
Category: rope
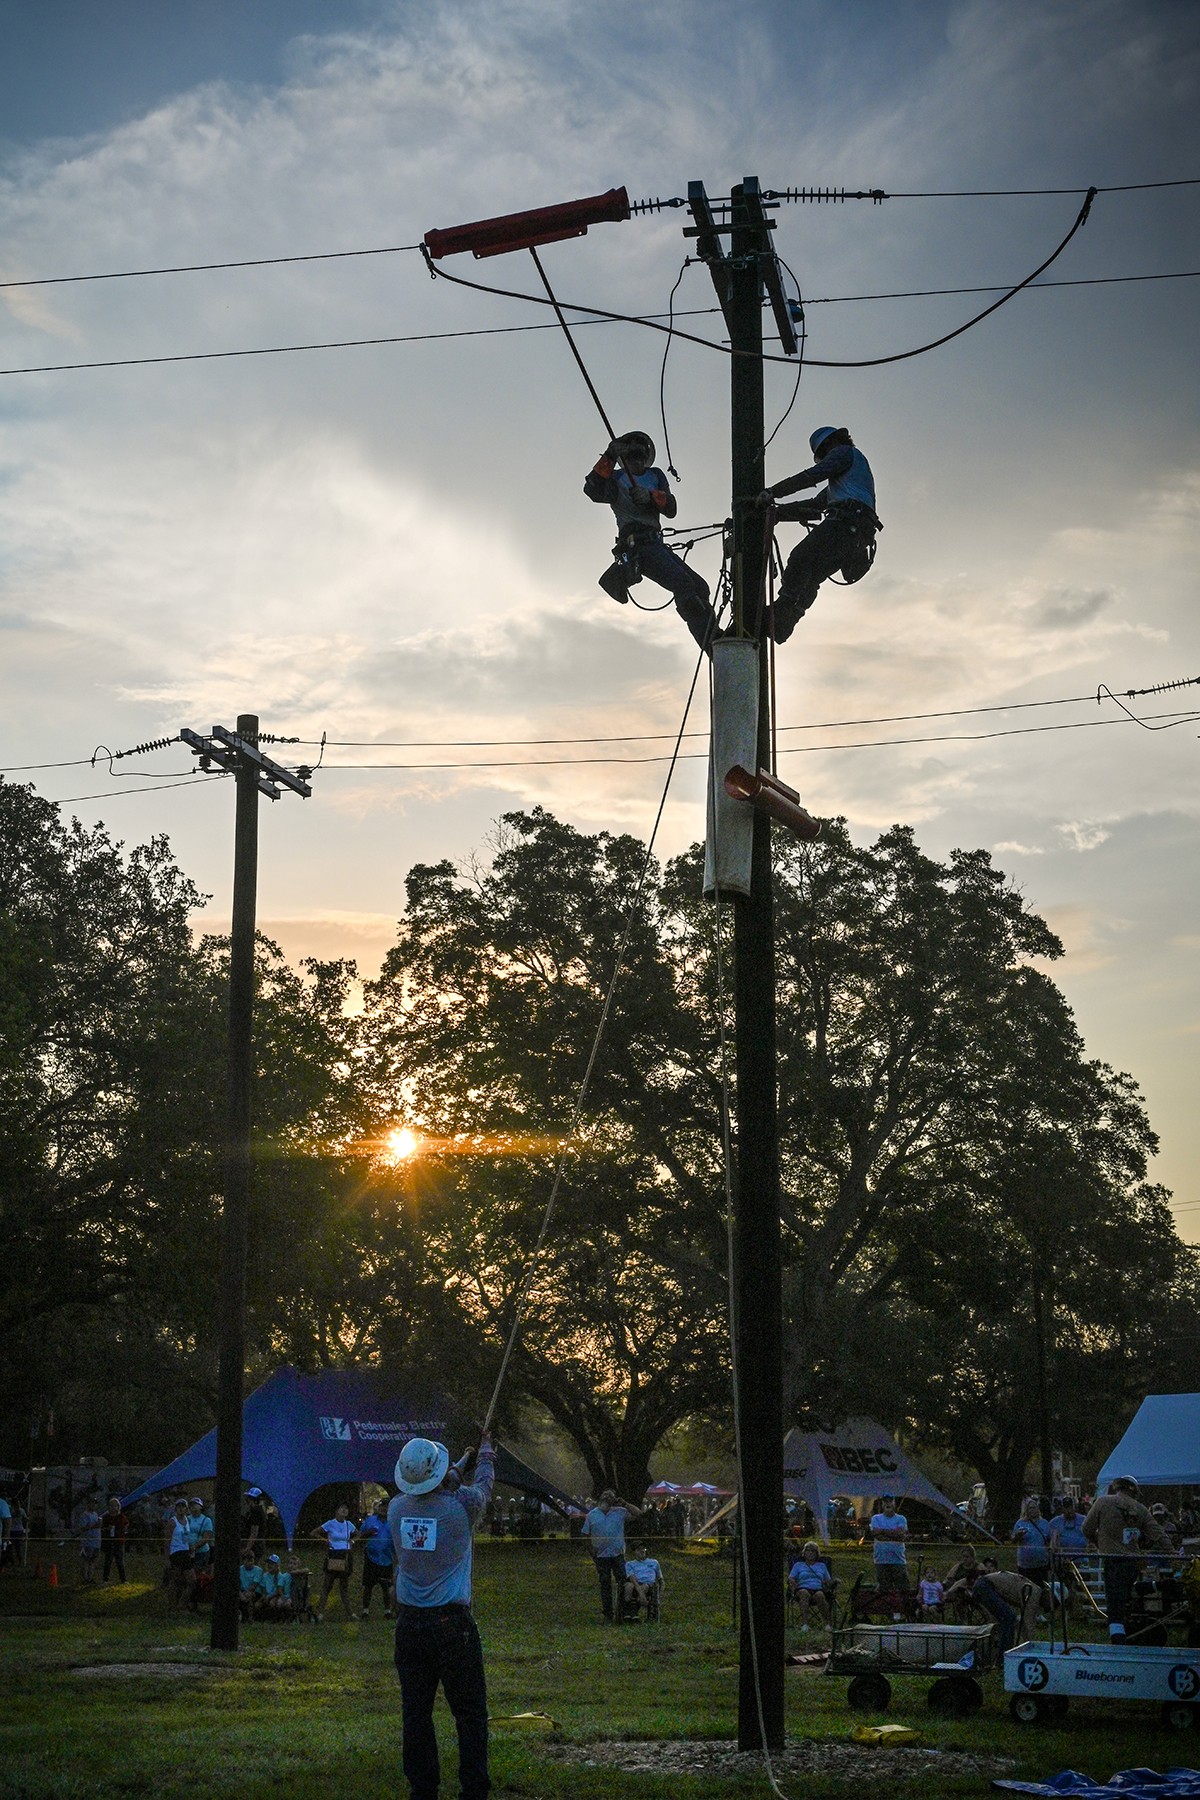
571,341
522,1293
815,362
727,1160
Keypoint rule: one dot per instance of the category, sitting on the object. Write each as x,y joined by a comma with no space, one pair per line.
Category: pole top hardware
766,793
228,751
745,214
525,230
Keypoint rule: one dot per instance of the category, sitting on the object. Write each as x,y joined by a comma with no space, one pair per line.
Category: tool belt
855,512
634,537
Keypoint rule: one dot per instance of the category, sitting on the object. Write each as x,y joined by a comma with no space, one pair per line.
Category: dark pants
1120,1573
441,1644
377,1575
842,541
891,1577
688,588
1004,1615
611,1569
114,1553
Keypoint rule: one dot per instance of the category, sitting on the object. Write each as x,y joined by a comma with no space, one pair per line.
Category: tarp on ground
859,1461
301,1432
1161,1447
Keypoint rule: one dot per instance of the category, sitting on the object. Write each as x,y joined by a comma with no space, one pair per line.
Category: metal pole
231,1304
758,1270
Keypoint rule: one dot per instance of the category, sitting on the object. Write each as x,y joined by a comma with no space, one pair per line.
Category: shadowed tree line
972,1251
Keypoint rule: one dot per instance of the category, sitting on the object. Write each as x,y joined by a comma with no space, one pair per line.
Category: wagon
1043,1679
874,1655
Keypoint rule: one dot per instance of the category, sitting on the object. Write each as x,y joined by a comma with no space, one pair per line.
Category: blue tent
300,1432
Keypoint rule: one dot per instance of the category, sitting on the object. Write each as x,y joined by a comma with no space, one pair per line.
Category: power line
1128,187
429,337
120,792
650,737
254,262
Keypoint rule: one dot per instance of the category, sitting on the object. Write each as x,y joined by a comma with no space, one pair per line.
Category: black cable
120,793
255,262
869,362
1129,187
662,373
429,337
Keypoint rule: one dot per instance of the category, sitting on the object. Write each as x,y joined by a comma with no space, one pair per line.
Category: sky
390,544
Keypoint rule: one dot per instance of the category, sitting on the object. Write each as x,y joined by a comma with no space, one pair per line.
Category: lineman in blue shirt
437,1640
375,1536
845,538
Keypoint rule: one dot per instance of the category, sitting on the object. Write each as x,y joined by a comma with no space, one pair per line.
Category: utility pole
237,752
740,278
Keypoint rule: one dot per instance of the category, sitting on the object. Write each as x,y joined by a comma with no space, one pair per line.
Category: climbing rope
523,1287
558,313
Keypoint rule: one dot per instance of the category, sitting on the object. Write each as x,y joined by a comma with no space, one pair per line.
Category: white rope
522,1293
727,1157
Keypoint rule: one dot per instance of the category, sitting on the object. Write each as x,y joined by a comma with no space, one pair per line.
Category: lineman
625,479
845,538
437,1640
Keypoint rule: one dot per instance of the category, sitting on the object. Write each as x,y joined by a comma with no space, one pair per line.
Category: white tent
859,1460
1161,1447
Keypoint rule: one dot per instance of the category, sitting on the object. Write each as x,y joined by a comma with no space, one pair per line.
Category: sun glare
401,1144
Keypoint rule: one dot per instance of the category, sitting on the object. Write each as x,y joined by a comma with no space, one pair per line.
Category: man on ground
376,1539
437,1640
1124,1531
605,1527
643,1582
889,1534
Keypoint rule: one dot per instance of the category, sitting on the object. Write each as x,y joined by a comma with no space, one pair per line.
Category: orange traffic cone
53,1575
37,1569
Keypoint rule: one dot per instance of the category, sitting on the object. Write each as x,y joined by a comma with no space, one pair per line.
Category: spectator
275,1594
1123,1530
178,1542
377,1559
811,1584
113,1528
643,1582
340,1537
6,1543
932,1595
254,1522
251,1585
18,1532
605,1526
200,1531
1066,1531
1031,1534
1169,1526
889,1534
89,1544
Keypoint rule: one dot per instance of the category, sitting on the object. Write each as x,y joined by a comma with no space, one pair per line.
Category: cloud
1018,849
1080,835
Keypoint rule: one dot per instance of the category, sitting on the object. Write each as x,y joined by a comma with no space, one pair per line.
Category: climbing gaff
525,230
768,794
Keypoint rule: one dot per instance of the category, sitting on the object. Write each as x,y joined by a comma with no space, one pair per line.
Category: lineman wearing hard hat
845,538
626,479
437,1639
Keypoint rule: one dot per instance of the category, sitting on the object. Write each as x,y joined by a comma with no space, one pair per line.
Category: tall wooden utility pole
239,754
742,278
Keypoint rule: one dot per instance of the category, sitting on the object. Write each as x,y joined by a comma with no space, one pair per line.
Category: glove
641,496
615,449
765,499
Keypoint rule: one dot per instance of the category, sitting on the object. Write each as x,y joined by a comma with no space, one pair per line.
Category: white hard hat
819,435
421,1466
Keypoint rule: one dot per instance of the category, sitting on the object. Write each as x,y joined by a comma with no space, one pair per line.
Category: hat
272,1559
254,1493
820,434
887,1497
421,1466
195,1500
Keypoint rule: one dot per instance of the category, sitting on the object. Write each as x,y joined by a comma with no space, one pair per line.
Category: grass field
304,1710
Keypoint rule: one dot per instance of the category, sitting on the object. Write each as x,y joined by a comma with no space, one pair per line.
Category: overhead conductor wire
523,1287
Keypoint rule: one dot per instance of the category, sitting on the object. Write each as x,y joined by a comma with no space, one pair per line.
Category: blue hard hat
819,435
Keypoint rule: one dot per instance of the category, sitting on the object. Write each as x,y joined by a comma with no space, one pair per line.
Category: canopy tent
301,1432
1161,1447
858,1461
696,1490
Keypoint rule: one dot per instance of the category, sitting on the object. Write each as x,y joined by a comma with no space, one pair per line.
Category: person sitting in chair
275,1594
643,1584
811,1585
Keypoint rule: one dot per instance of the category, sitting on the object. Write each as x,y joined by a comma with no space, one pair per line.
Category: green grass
302,1711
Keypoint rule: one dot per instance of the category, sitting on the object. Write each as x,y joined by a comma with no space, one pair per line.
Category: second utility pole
741,279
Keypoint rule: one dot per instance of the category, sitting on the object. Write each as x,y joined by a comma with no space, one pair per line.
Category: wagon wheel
869,1693
1026,1709
1177,1715
955,1697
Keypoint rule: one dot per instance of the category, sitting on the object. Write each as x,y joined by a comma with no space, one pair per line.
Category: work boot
614,582
789,610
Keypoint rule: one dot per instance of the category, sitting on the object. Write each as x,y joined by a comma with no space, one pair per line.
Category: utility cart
951,1657
1043,1679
